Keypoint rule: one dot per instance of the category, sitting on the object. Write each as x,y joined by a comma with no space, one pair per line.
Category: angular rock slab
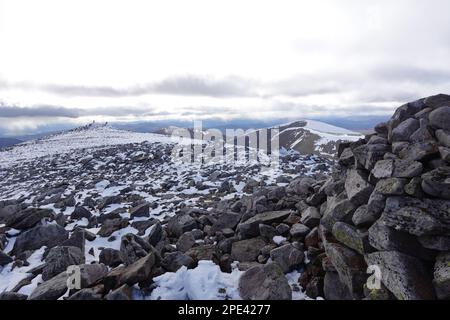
437,183
441,279
250,227
350,267
264,282
417,217
287,257
405,276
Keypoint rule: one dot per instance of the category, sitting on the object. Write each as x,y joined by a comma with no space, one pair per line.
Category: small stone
267,232
311,217
175,260
142,210
299,231
185,242
264,282
247,250
287,257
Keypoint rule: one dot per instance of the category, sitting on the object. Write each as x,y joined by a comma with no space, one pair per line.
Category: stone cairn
385,211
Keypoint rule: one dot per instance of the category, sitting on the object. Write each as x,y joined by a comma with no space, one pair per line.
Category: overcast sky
74,61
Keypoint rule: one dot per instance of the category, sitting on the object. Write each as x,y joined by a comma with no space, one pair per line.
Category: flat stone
362,217
250,227
185,242
439,243
385,238
419,151
47,235
417,217
391,186
142,210
368,155
140,270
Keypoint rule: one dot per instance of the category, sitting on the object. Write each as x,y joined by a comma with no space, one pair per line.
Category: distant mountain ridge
9,142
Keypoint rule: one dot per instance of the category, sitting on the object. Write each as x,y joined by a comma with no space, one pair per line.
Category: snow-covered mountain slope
310,136
94,178
84,138
304,136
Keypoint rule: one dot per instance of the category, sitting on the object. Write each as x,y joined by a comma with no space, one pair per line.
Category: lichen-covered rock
417,217
384,238
350,267
351,237
391,186
437,183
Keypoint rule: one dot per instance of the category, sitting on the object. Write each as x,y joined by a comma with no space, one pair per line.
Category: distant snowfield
72,140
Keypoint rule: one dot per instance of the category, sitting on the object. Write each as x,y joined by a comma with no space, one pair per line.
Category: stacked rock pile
387,210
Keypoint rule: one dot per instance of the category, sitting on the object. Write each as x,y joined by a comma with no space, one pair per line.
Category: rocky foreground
377,227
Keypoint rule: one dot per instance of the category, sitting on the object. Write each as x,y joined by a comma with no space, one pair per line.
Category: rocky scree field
304,231
137,223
